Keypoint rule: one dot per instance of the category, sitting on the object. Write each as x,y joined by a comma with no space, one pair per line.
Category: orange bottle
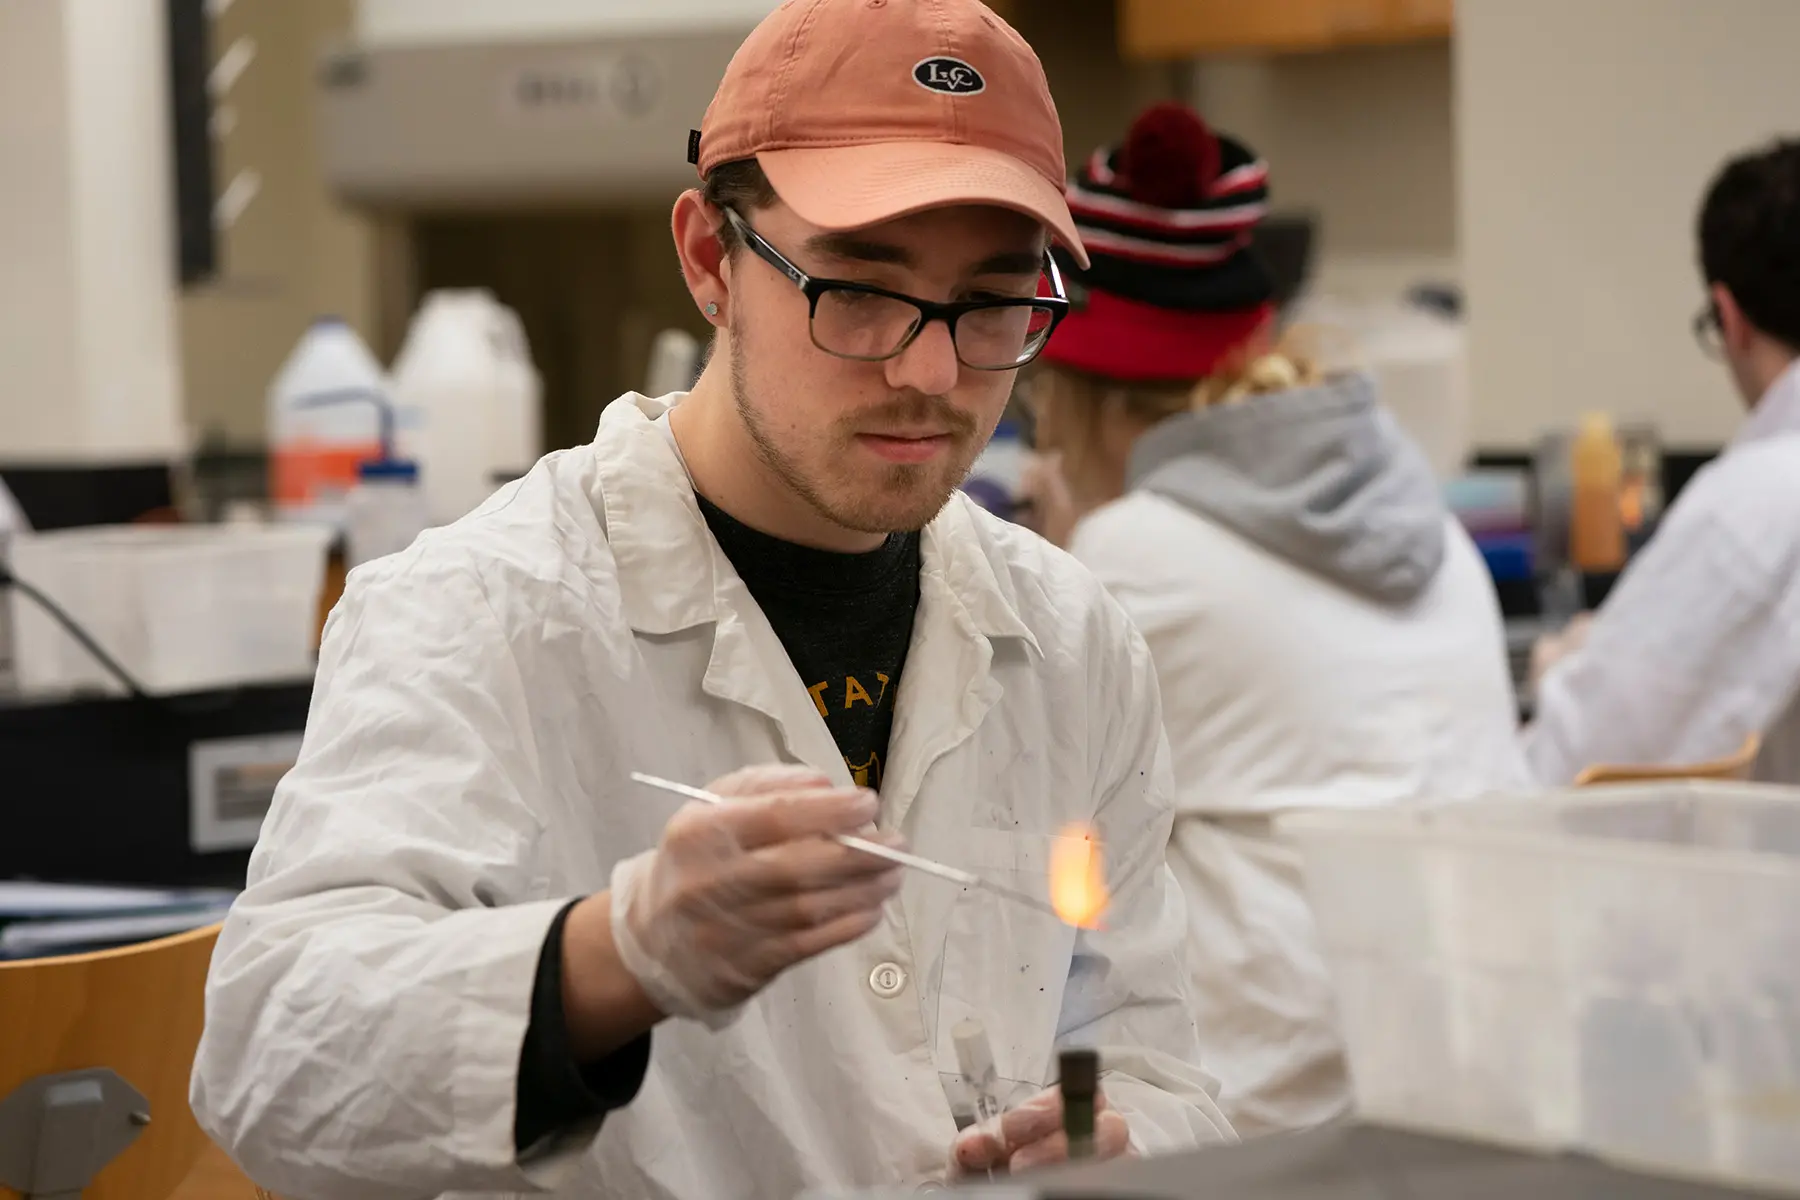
1596,475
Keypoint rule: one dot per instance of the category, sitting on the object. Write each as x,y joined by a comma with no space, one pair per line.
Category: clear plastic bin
182,608
1613,969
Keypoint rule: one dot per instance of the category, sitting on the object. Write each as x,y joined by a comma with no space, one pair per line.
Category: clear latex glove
736,894
1031,1135
1046,503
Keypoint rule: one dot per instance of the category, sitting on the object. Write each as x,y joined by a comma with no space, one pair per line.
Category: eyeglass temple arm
764,251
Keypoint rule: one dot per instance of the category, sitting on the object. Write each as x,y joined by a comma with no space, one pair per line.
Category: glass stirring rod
912,861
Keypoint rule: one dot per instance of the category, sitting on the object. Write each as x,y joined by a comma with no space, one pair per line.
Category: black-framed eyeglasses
1708,331
869,324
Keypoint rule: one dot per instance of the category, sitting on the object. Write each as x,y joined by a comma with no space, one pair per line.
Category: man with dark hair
474,957
1698,646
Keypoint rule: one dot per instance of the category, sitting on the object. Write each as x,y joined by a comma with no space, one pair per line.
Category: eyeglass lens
863,325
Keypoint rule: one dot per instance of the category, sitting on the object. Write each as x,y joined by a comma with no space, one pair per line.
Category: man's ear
1735,329
704,264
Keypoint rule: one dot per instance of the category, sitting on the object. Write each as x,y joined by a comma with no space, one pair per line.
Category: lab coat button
887,980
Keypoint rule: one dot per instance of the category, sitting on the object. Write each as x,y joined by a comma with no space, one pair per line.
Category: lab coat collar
1777,412
672,573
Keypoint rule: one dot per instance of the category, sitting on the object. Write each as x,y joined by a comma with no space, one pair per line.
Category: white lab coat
1698,644
1282,691
481,698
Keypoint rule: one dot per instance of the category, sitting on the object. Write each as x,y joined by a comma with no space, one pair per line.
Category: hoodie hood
1319,476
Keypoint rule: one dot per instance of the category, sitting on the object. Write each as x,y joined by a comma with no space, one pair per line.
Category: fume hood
562,119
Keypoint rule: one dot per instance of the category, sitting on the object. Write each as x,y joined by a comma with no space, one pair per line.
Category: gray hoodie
1319,476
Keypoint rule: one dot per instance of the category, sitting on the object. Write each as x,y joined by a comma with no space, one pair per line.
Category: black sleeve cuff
555,1091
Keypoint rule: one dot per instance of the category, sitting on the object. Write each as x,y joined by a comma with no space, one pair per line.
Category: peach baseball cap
861,111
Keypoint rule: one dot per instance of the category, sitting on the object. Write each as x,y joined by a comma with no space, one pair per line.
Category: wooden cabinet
1176,29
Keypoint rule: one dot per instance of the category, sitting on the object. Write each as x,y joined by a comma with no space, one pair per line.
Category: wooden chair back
1736,765
137,1010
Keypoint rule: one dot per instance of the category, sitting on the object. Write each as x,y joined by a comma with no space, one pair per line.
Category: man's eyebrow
846,247
1012,262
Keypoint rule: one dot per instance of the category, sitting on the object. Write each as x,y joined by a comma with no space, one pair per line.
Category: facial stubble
916,494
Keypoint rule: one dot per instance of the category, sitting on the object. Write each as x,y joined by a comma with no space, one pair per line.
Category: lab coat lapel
672,576
945,691
948,687
750,666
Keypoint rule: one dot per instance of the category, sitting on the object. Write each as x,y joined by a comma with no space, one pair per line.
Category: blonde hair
1294,363
1094,419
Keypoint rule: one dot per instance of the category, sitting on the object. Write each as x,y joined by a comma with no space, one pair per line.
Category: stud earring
712,308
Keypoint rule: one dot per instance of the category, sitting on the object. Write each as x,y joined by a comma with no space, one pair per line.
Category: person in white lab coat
1324,631
466,931
1698,644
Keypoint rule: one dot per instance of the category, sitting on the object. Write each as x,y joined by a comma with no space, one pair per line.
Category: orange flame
1078,877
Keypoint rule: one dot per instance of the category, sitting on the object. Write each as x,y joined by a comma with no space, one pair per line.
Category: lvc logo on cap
950,75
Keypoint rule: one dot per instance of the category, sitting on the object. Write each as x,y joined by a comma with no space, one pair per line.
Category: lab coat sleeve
370,991
1128,987
1687,657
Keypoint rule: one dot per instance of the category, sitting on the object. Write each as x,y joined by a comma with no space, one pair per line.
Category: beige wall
294,253
1588,132
1363,137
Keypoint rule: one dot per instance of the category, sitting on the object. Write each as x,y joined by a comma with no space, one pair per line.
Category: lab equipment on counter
178,608
316,441
168,791
464,373
1345,1161
1596,497
387,510
1596,488
1610,970
994,482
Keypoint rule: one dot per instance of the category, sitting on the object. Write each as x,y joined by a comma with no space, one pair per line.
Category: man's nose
928,365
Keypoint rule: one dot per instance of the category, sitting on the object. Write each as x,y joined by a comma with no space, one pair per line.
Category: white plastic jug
466,370
318,434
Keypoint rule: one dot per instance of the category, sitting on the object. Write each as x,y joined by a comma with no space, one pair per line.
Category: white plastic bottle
318,435
386,510
466,371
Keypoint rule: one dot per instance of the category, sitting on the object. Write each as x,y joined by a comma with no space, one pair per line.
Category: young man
410,999
1698,646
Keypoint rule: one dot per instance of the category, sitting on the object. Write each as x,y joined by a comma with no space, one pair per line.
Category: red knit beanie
1173,288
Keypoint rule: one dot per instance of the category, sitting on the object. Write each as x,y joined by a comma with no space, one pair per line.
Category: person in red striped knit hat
1173,295
1173,289
1323,631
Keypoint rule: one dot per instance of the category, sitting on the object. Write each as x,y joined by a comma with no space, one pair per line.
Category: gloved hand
1031,1135
736,894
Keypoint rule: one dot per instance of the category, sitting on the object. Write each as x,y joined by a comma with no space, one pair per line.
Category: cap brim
853,187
